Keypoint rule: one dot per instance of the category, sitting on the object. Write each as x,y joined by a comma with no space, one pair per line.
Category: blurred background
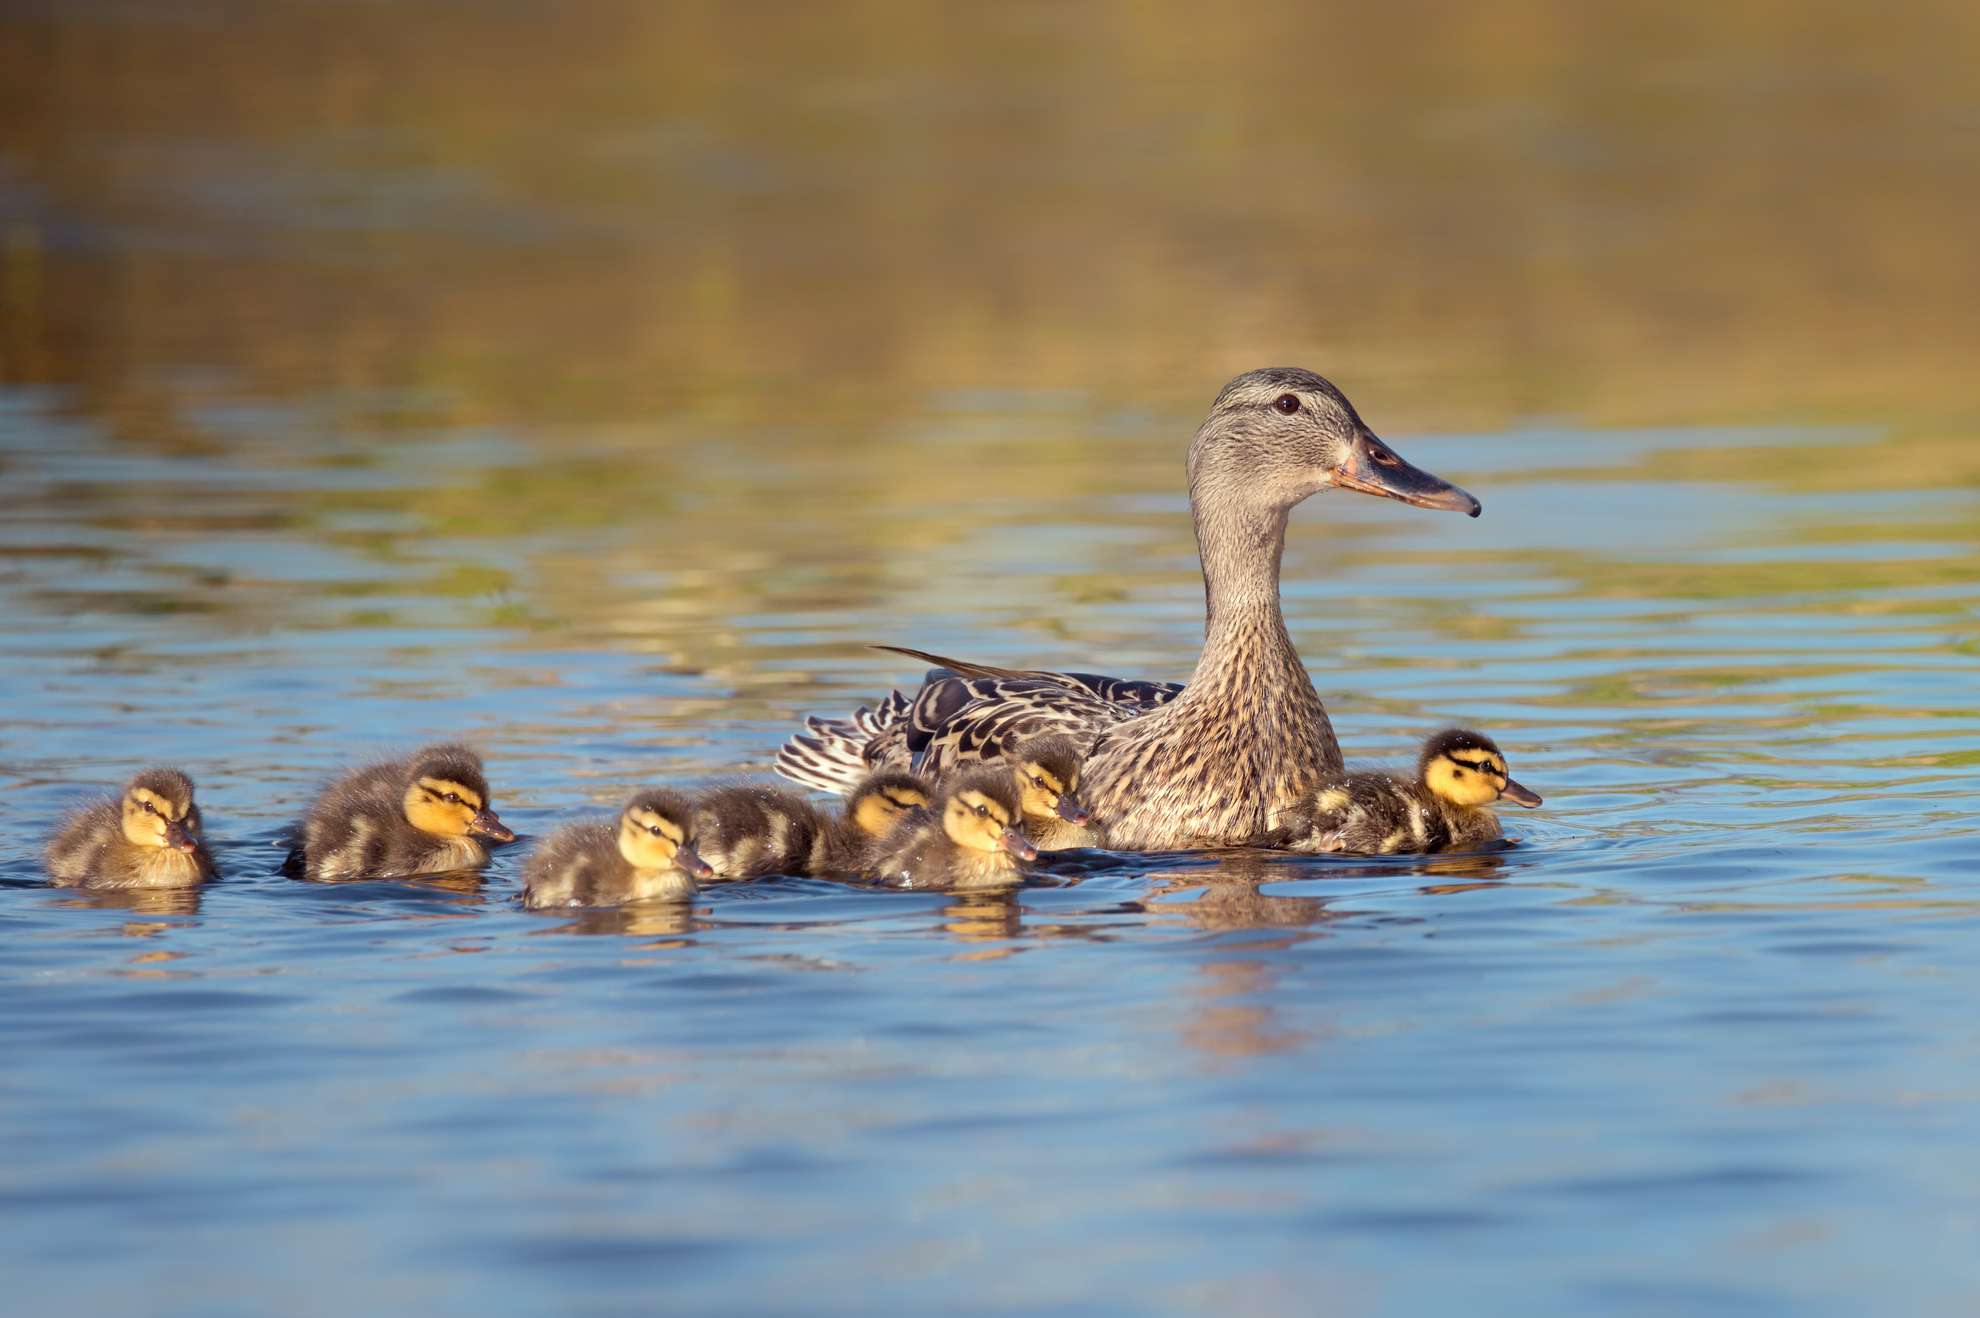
594,381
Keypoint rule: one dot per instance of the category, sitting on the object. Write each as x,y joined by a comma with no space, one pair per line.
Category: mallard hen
1215,763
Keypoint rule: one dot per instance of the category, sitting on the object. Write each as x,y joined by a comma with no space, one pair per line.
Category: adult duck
1214,763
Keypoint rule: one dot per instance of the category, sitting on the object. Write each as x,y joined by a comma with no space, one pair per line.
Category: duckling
147,838
880,802
1447,806
647,858
972,838
425,814
745,831
1047,772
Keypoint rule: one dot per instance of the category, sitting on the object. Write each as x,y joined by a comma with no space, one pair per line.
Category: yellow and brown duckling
874,810
647,857
425,814
147,837
973,837
1047,773
1447,806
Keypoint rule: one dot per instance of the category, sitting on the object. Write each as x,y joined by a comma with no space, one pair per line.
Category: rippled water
465,377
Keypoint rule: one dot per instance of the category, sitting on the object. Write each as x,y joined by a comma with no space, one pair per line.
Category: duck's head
981,812
884,799
1467,769
653,834
158,811
1047,773
1282,434
447,795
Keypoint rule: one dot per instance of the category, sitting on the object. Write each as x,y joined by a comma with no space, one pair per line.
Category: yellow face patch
975,821
144,817
876,813
441,807
1467,778
649,840
1039,790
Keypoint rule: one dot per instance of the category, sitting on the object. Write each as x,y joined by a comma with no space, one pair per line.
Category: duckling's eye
453,797
149,808
1287,403
983,810
1038,782
654,829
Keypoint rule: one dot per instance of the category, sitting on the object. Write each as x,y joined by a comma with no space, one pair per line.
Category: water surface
597,391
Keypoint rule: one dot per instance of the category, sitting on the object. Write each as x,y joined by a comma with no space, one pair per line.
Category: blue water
1701,1041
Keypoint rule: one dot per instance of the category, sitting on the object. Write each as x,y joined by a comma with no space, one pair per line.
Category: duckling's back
747,831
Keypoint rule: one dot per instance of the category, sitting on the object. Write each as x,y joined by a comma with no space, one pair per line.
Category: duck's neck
1244,631
1250,683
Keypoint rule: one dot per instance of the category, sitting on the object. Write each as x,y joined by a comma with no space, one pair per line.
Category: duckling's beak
1071,810
1018,845
485,824
179,837
1372,467
1520,795
689,859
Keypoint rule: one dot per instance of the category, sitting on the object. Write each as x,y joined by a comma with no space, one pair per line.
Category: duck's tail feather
835,755
963,668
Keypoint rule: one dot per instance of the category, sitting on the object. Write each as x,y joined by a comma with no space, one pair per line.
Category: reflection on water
596,385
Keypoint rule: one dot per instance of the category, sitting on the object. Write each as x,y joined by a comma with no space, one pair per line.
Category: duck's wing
963,712
990,726
1139,692
835,755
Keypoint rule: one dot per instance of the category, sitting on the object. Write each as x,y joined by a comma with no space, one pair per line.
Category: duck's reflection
666,920
137,901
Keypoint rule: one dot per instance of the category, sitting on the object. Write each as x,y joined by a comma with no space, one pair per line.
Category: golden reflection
138,901
980,917
665,920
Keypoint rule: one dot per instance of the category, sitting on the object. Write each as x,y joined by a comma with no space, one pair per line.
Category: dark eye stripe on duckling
439,788
667,828
1480,766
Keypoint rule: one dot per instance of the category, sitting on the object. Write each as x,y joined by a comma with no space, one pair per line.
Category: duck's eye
1287,403
983,810
1038,782
454,797
149,808
1381,457
654,829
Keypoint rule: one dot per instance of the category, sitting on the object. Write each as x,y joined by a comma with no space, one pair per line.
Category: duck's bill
1518,795
181,838
1373,467
689,859
485,824
1072,811
1018,845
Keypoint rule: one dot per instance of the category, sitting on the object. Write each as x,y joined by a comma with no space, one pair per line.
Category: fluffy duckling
745,831
878,805
1047,773
425,814
146,838
648,857
1447,806
972,838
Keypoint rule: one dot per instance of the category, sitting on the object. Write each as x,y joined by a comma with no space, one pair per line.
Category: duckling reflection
1228,893
425,814
148,837
646,919
1447,805
984,915
138,901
